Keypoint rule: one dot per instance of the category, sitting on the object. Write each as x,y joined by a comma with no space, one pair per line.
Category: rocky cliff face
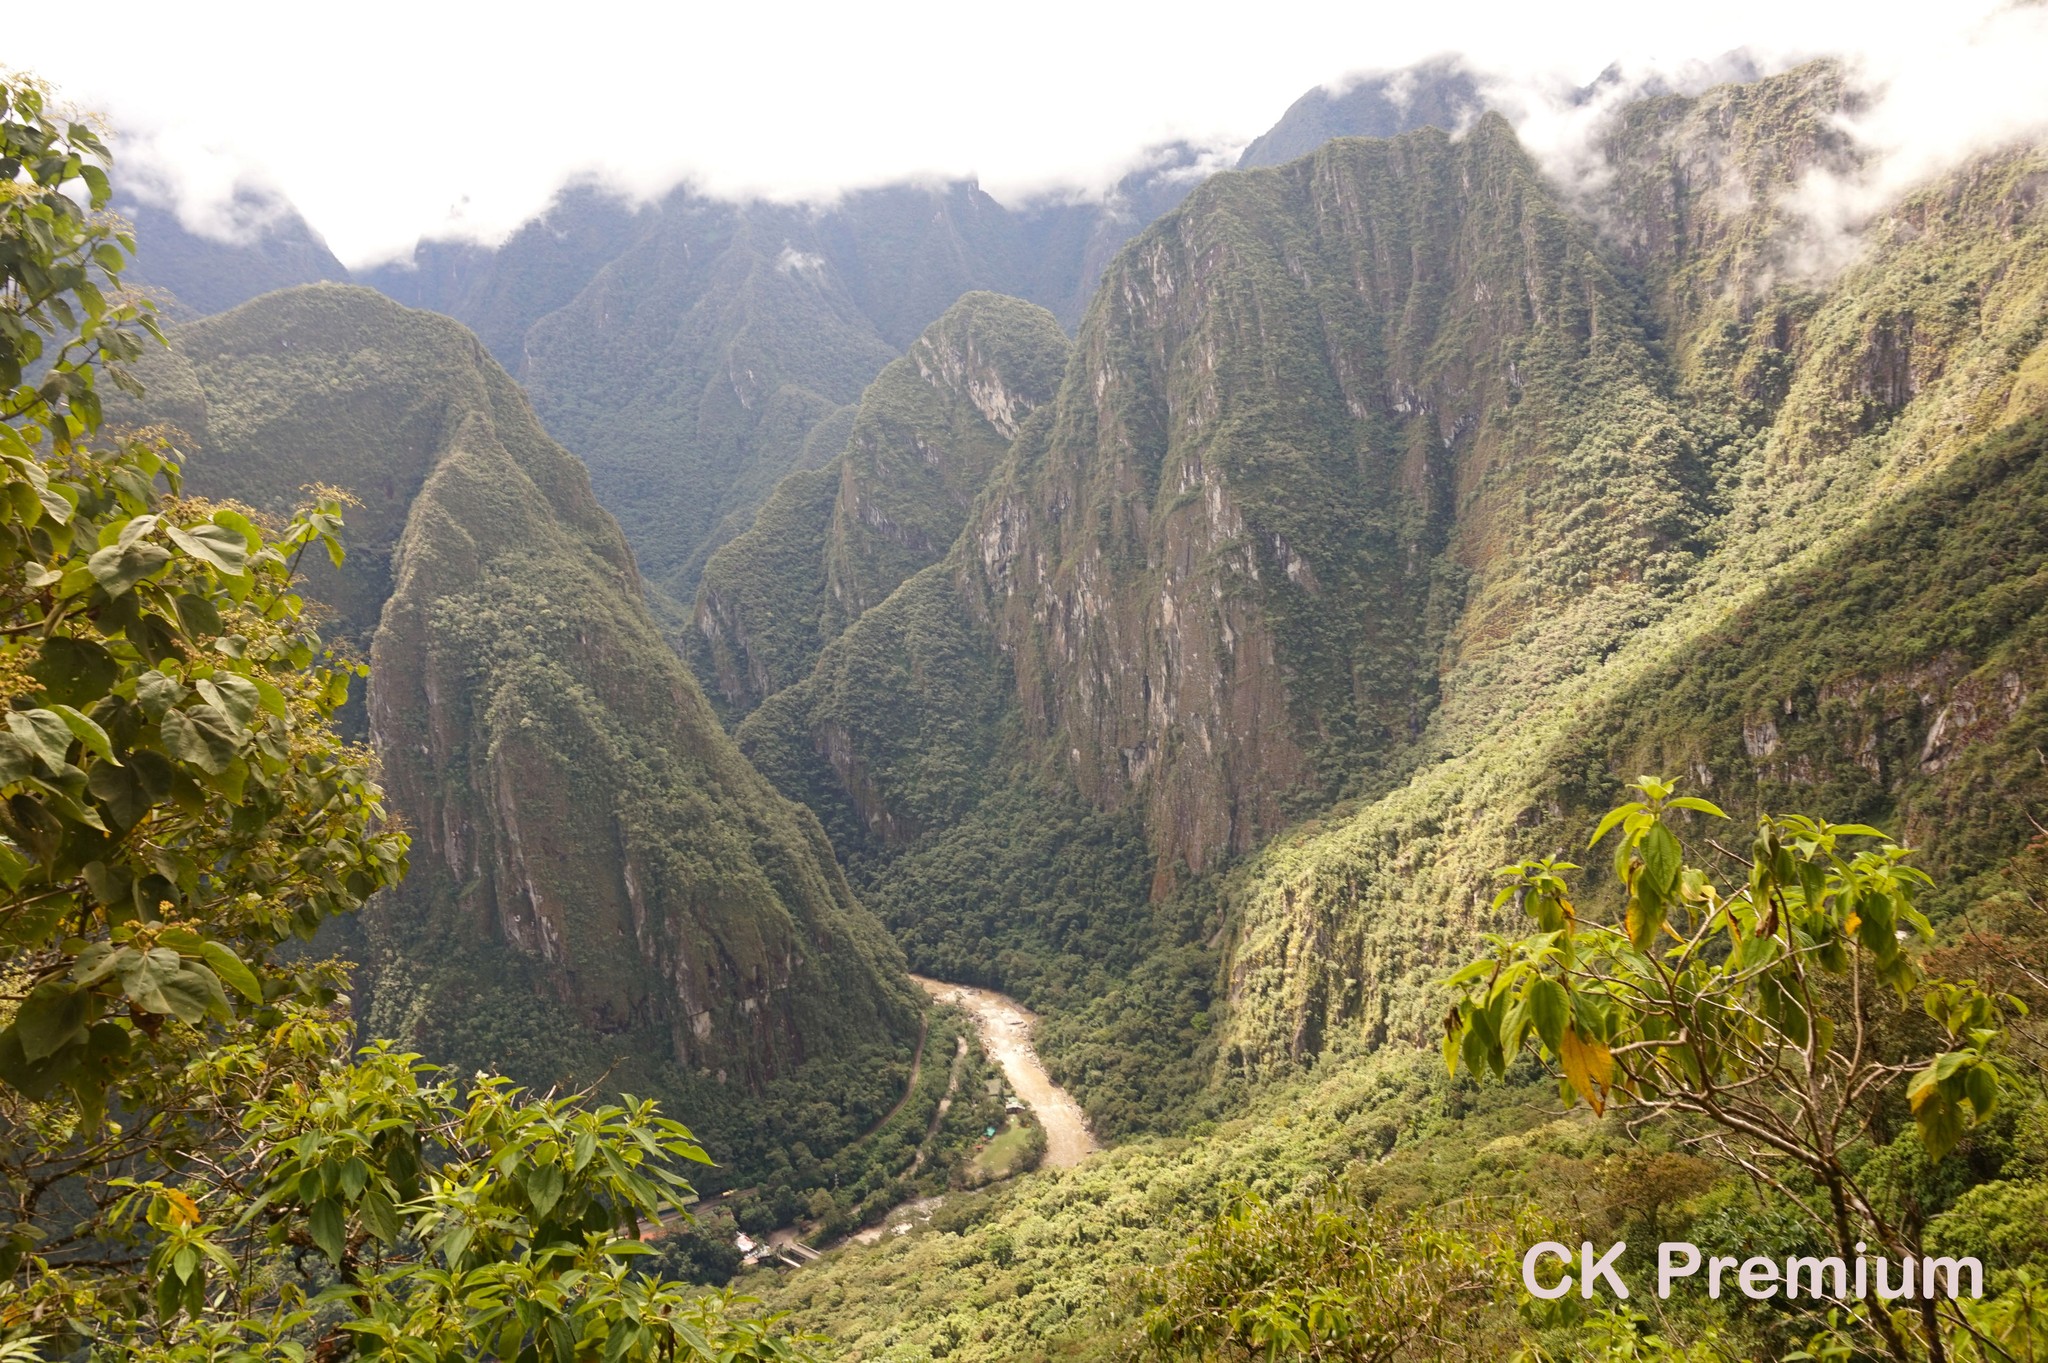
1298,476
584,832
1851,639
1321,453
1385,486
830,545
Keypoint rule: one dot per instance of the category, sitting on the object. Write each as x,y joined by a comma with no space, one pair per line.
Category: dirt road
1006,1034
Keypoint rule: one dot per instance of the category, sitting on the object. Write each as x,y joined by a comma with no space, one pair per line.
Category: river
1005,1027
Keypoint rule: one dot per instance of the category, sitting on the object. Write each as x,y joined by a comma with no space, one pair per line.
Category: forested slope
1382,489
1849,411
598,876
829,545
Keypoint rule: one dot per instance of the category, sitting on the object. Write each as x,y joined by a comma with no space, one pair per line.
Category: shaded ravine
1005,1027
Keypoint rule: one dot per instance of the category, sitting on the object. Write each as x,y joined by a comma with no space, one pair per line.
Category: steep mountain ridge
1834,482
1304,447
193,274
598,875
1376,479
829,545
1322,405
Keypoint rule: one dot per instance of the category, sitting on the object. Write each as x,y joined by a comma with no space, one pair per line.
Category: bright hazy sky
384,121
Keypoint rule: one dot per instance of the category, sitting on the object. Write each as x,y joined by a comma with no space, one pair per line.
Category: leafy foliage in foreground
1766,1014
370,1208
193,1166
1067,1264
1319,1280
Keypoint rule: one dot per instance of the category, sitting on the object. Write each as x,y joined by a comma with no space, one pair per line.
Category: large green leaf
74,671
53,1016
44,733
232,971
87,732
200,736
233,695
219,545
1548,1008
119,567
544,1187
323,1221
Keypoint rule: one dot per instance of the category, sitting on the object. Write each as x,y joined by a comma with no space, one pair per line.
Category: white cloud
384,120
793,261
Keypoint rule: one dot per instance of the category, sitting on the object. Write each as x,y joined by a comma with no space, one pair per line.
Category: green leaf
156,693
252,538
200,737
87,732
270,697
231,970
1980,1086
234,695
1695,803
74,671
1662,859
380,1218
323,1221
100,960
120,566
197,615
1548,1009
1613,817
544,1188
222,546
16,760
194,994
53,1016
44,733
143,974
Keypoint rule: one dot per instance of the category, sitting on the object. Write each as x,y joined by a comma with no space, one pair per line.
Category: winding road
1005,1027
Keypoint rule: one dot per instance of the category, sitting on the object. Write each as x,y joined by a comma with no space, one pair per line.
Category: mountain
691,370
264,245
1269,499
831,543
1439,93
686,349
599,877
1857,416
1397,505
500,292
694,362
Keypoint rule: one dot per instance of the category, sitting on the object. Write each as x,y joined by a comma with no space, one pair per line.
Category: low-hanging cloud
1958,94
386,122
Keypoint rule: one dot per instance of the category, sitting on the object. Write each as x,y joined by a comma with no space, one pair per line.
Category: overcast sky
384,121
